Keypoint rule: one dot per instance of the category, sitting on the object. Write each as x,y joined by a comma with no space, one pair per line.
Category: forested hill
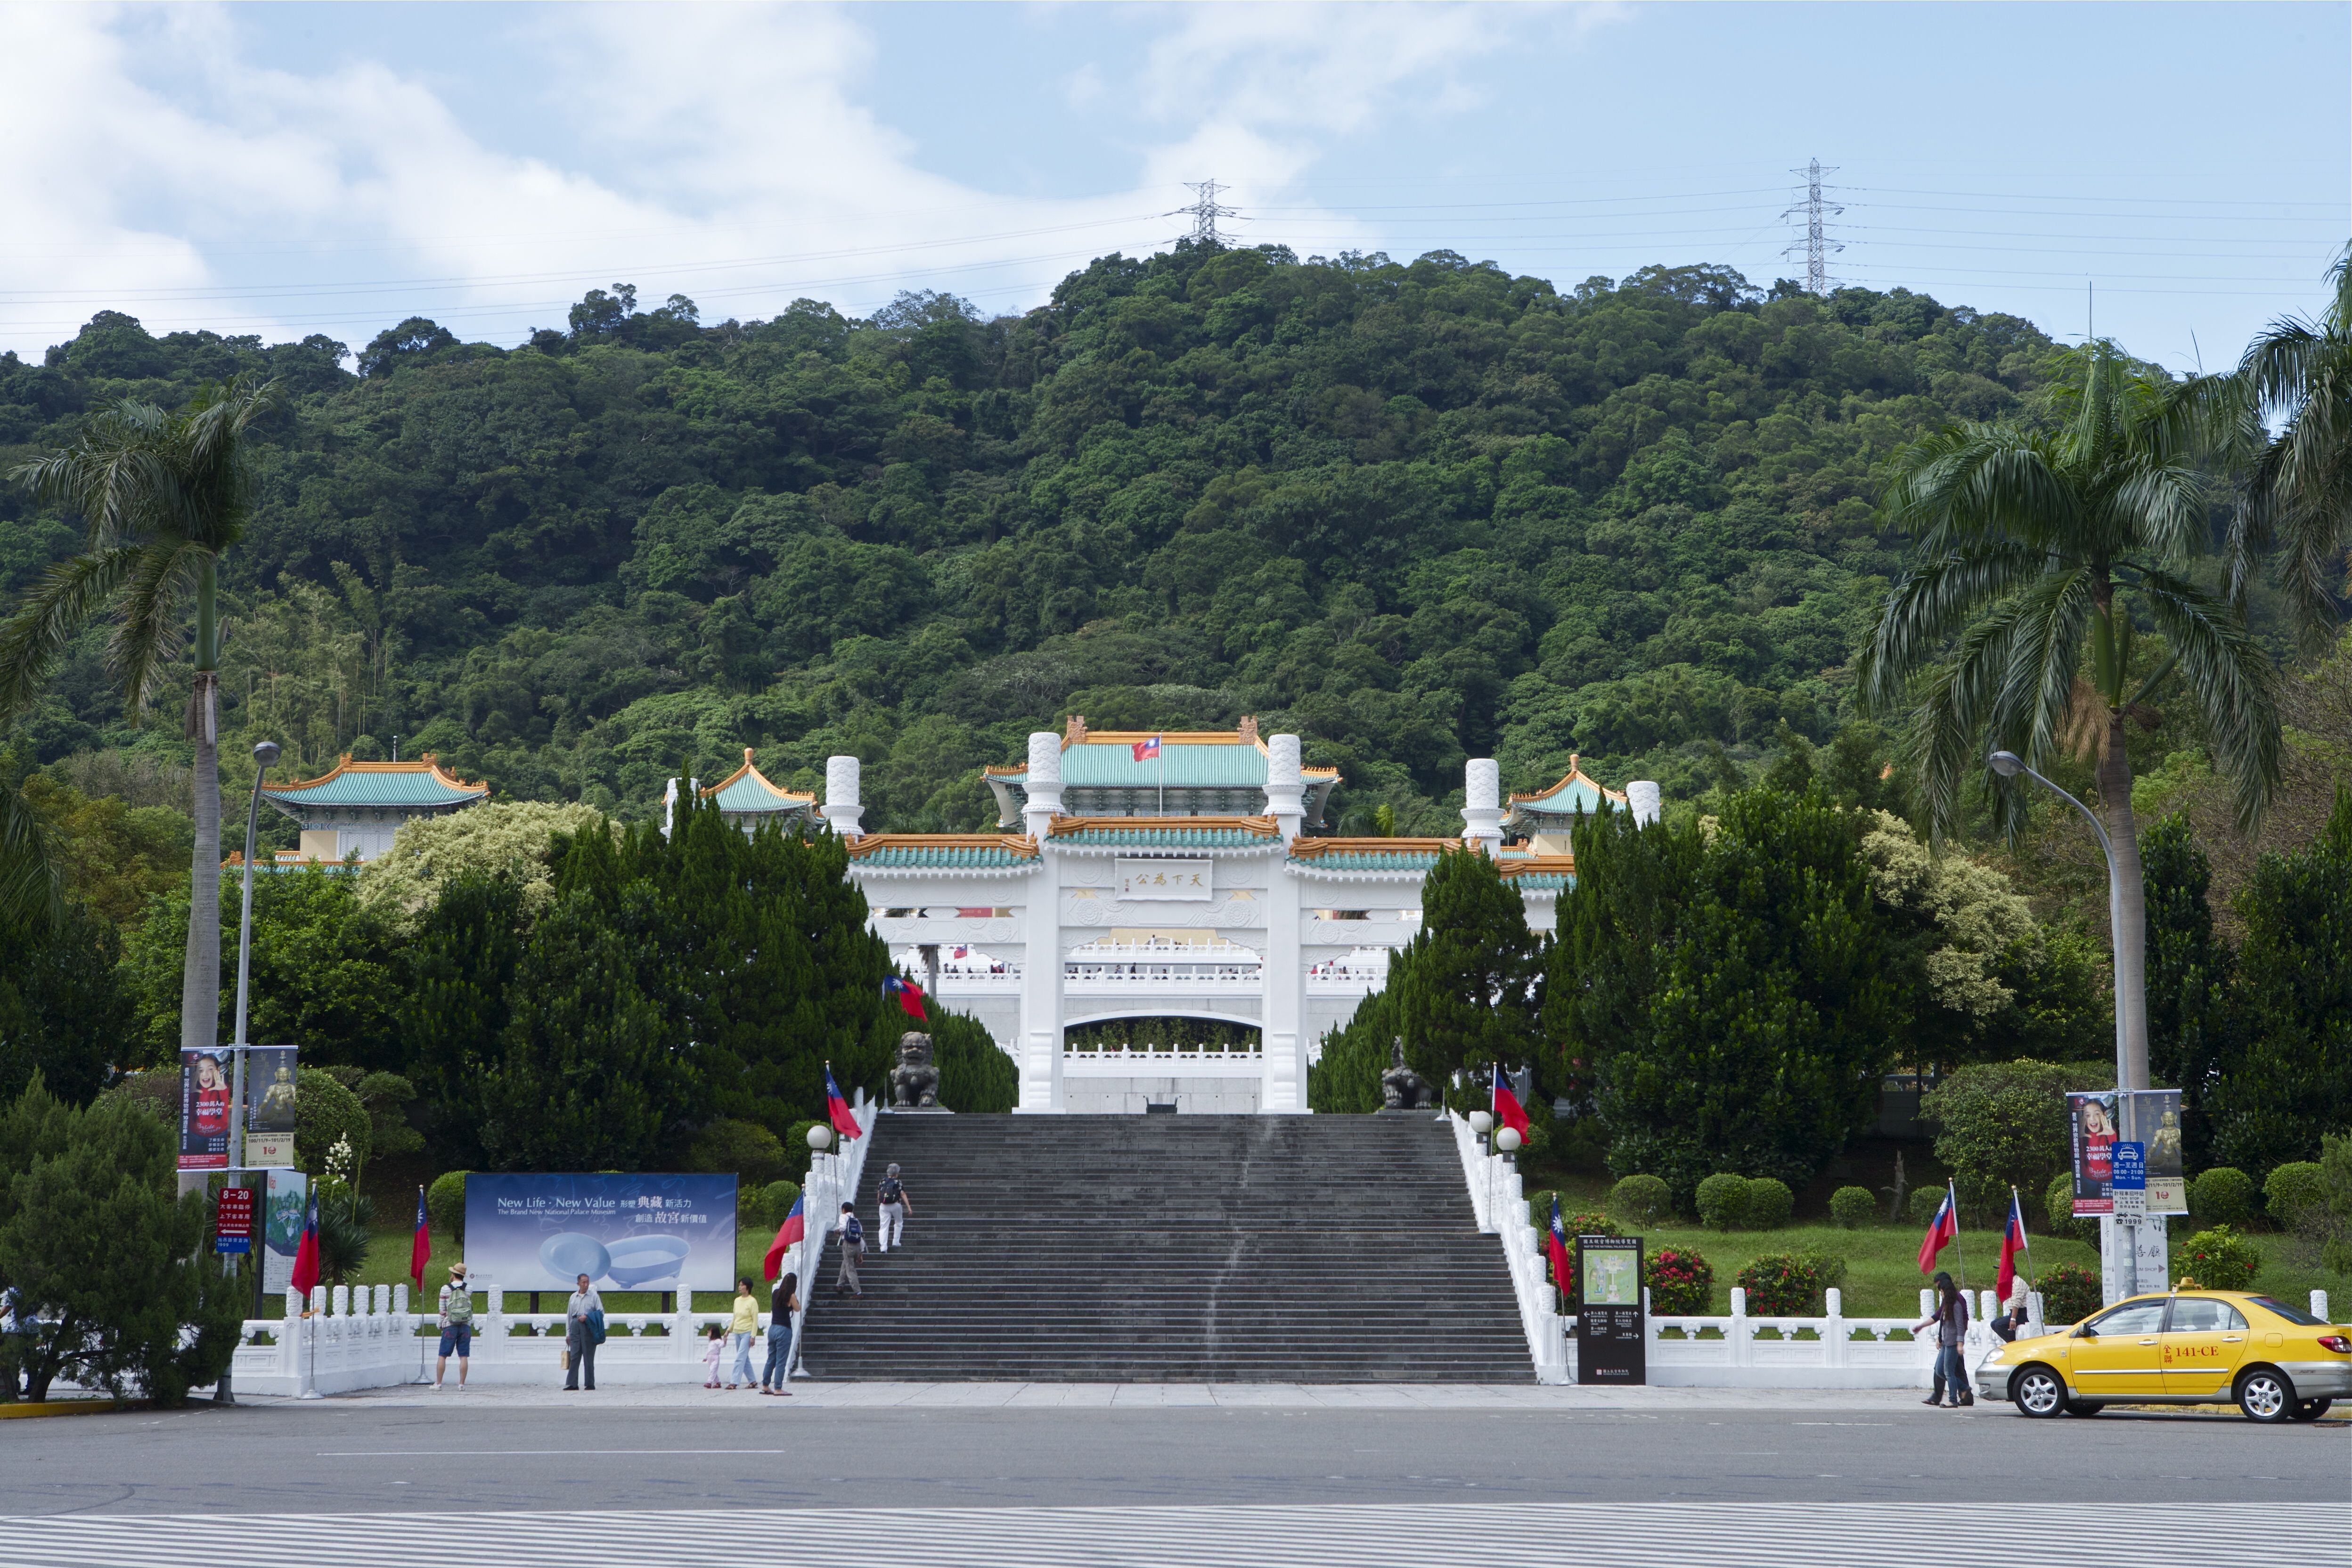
1417,511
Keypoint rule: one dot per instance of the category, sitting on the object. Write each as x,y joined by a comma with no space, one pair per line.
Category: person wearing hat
456,1326
896,1207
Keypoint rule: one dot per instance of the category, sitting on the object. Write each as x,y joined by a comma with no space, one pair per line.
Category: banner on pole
628,1233
269,1106
2097,1119
205,1097
232,1220
285,1198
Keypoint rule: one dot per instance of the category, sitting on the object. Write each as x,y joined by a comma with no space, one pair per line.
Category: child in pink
711,1357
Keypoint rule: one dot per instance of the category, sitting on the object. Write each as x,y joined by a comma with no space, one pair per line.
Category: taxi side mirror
2084,1332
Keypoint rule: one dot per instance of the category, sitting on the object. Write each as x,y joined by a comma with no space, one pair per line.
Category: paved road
482,1453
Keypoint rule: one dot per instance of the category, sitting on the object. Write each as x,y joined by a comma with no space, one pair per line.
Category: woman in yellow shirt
739,1329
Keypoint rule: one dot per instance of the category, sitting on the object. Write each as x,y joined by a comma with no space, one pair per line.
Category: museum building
1172,876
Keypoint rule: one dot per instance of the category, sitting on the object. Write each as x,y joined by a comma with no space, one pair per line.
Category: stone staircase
1173,1248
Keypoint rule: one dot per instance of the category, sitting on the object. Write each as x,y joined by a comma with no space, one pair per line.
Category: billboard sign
204,1111
269,1106
283,1200
625,1233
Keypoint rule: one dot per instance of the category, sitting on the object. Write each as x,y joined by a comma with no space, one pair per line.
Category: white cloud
721,151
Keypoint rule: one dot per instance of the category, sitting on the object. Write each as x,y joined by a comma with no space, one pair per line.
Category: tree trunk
200,979
2131,908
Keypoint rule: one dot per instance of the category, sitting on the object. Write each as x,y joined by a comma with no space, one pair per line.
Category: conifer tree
1468,987
2189,998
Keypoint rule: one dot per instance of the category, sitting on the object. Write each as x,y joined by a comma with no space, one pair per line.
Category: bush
2058,1208
975,1072
1722,1202
1641,1203
2292,1189
1789,1284
796,1147
444,1204
1682,1284
2000,1123
343,1235
1770,1204
754,1154
775,1201
2218,1258
325,1114
1853,1208
2222,1195
1925,1202
2070,1293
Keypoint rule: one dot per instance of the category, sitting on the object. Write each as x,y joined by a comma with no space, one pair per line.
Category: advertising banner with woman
204,1111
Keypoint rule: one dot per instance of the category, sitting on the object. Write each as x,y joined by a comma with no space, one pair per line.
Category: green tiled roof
978,857
418,784
748,791
1158,837
1180,767
1371,860
1544,881
1578,795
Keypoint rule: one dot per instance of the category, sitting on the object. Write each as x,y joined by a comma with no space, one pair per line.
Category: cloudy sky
290,168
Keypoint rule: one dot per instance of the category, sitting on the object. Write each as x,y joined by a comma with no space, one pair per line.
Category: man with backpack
853,1247
896,1207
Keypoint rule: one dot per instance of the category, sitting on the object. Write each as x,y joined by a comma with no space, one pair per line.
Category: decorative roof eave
1519,807
1227,835
1316,848
783,800
457,790
1512,867
990,854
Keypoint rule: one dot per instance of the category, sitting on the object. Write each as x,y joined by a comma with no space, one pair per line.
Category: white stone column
1643,795
842,810
1482,804
669,808
1041,972
1282,1089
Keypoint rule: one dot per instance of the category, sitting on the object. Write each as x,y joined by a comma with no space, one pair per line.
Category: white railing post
1833,1328
1741,1331
2034,1325
2319,1306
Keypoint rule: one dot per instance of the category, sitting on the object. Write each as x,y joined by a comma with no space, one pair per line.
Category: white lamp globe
1480,1121
820,1136
1507,1139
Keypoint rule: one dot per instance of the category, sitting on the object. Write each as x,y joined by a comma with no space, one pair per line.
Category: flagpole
1959,1257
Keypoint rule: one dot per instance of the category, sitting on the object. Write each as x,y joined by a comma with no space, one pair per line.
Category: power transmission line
1816,245
1204,212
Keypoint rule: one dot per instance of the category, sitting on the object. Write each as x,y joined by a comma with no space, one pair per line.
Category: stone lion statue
915,1081
1401,1087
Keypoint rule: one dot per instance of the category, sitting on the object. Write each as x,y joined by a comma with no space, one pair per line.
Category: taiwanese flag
1941,1234
2013,1242
844,1121
1563,1272
1146,748
420,1251
910,995
306,1254
788,1235
1508,1110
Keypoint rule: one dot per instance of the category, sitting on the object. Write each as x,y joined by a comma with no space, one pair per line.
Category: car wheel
2036,1392
2311,1409
2266,1394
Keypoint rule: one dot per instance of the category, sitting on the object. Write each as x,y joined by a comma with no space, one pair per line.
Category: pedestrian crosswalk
1591,1535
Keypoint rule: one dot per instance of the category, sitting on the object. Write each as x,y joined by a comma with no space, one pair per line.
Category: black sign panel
1612,1330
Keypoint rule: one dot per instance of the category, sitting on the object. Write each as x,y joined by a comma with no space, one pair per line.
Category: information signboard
232,1220
1612,1325
269,1106
285,1198
2127,1186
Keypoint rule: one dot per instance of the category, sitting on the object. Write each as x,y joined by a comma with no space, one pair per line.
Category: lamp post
265,757
2131,1065
813,1200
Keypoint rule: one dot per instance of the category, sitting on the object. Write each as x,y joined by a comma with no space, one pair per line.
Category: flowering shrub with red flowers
1682,1284
2070,1293
2219,1259
1789,1284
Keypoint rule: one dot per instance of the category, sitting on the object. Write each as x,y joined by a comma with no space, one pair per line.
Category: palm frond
2232,681
1956,699
1928,605
68,594
2161,508
113,475
31,882
1978,481
2045,649
149,634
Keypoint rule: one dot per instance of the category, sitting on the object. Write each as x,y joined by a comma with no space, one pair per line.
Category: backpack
890,1192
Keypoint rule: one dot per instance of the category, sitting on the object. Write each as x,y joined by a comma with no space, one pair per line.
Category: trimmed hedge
1791,1284
1770,1204
1853,1208
1640,1202
1722,1202
1925,1202
2070,1293
2058,1208
2222,1195
2293,1187
444,1203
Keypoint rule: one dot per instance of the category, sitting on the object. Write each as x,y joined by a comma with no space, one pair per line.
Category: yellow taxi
2192,1346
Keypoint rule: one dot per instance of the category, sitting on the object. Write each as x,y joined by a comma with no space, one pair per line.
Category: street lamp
2131,998
2131,1065
265,757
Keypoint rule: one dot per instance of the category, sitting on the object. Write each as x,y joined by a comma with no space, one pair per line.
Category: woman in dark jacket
1950,1321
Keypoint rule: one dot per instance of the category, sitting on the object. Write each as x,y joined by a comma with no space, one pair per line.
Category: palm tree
2013,627
2296,379
162,498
